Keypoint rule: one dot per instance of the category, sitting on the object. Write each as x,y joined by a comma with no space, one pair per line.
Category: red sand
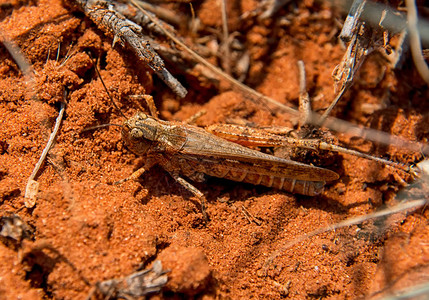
99,231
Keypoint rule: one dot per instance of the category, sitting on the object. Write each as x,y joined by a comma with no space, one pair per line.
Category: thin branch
304,98
32,185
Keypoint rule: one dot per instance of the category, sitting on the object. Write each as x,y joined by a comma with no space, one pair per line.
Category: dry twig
107,18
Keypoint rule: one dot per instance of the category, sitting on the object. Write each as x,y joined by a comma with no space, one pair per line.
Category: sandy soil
87,230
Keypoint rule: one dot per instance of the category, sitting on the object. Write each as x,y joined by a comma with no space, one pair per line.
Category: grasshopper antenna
101,126
105,88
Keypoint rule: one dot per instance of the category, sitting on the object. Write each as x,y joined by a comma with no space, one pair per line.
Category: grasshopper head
139,133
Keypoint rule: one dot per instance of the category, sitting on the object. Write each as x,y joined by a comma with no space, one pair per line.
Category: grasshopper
191,151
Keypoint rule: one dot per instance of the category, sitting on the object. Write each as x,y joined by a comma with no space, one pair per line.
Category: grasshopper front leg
150,162
133,176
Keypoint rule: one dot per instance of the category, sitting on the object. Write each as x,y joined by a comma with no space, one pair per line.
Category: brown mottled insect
191,151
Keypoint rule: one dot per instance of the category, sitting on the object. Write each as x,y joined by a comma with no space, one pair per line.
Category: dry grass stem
416,47
32,185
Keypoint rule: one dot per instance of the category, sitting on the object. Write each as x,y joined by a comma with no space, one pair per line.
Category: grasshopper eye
141,116
136,133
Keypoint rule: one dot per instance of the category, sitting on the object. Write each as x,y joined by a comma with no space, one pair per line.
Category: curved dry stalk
304,98
349,222
411,293
416,47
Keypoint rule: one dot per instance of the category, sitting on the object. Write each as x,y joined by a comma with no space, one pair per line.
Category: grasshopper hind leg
179,179
197,193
